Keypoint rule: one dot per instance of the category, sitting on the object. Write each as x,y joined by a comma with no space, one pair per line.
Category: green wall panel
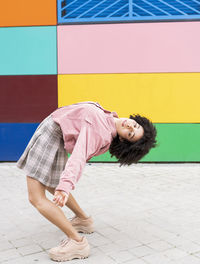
176,143
28,50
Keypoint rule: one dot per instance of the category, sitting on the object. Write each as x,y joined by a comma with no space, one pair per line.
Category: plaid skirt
44,158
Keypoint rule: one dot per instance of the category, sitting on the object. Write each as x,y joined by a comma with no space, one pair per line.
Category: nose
130,127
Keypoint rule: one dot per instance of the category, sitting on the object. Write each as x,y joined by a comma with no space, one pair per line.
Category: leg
72,205
48,209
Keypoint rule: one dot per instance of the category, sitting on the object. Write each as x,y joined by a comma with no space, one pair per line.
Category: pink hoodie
88,130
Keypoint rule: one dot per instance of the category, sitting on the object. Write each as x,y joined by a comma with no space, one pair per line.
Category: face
129,129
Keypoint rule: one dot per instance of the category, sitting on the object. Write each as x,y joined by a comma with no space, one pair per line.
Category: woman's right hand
60,198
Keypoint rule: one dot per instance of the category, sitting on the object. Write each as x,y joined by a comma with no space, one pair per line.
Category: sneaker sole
84,229
60,259
66,258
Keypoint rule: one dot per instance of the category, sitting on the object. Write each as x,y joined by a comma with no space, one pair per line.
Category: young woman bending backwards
84,130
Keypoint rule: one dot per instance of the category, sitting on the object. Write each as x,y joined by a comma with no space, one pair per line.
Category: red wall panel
27,98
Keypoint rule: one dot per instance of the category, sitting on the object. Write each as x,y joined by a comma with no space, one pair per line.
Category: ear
121,139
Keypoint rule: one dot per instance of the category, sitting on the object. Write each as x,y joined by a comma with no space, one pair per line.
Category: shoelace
64,242
72,218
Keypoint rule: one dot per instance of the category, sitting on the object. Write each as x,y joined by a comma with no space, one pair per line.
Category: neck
116,120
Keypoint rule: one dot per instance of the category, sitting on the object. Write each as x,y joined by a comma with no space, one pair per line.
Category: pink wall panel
129,48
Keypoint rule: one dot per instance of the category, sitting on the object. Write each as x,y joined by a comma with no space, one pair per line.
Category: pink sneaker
70,249
83,225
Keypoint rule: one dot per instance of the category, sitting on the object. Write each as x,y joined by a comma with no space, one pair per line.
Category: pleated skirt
44,158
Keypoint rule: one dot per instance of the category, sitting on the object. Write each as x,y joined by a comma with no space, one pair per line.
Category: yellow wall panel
163,97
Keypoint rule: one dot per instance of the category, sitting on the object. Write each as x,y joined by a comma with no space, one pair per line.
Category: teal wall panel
28,50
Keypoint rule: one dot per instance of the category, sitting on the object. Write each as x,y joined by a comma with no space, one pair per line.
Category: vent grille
94,11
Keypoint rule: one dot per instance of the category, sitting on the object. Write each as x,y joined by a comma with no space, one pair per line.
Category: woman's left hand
60,198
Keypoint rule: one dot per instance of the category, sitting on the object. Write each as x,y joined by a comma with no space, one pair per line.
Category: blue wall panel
95,11
28,50
13,139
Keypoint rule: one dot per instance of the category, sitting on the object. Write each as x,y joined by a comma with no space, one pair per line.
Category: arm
87,144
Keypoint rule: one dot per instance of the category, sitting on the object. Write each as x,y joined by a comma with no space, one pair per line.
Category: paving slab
144,213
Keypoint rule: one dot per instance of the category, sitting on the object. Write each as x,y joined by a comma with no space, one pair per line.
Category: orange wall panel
28,13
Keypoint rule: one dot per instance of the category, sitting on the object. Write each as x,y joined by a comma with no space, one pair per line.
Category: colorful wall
147,68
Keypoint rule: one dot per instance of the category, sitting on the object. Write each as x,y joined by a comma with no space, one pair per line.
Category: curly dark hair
131,152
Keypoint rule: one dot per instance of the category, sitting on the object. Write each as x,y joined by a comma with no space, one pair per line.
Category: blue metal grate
94,11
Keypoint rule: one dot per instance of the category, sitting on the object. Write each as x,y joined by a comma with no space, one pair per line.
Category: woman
84,130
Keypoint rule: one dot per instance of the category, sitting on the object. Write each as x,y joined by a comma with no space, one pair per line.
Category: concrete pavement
144,214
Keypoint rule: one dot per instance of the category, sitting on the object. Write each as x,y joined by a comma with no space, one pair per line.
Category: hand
60,198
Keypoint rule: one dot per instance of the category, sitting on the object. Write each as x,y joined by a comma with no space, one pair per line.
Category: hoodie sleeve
87,144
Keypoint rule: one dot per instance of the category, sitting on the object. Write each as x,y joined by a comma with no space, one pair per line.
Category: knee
35,201
36,192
